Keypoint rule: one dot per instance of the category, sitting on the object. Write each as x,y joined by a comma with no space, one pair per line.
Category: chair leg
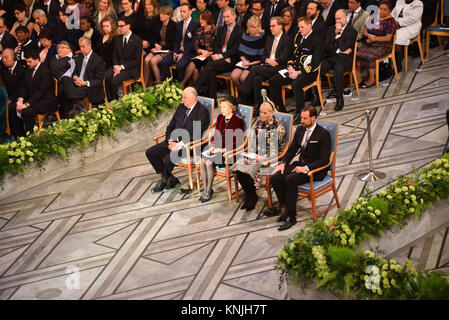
421,53
283,95
58,117
320,96
406,58
356,82
427,44
393,58
329,82
190,177
236,186
377,73
268,188
197,178
313,202
334,189
8,130
440,42
229,187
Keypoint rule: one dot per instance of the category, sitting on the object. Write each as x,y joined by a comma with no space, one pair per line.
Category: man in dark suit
258,9
218,13
190,116
243,13
13,74
314,146
62,66
329,9
313,12
301,69
41,22
225,53
275,7
87,79
339,53
278,48
7,40
126,58
183,51
39,94
51,9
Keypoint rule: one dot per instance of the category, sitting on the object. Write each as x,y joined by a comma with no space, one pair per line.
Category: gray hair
86,39
192,91
11,52
40,12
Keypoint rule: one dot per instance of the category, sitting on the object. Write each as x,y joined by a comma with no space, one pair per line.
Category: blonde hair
270,105
224,100
167,10
252,21
110,10
155,5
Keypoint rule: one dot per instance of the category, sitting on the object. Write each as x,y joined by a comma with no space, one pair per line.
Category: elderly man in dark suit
190,116
126,58
13,74
218,13
183,51
39,94
314,144
329,9
87,79
278,48
7,40
225,53
339,53
41,22
51,9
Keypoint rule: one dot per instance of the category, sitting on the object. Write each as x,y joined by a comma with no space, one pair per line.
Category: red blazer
234,123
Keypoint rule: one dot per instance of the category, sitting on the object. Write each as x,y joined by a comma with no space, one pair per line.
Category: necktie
83,68
220,19
273,49
226,40
125,42
184,29
46,8
273,8
325,13
10,70
306,140
186,116
351,18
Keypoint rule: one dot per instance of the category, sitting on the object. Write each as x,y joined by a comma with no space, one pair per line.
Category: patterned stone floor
99,233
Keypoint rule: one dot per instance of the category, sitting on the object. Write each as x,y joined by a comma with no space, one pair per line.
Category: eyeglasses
121,25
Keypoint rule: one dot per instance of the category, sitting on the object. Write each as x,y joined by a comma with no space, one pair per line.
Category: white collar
188,21
88,56
37,67
311,129
313,21
13,67
279,36
127,37
305,37
358,10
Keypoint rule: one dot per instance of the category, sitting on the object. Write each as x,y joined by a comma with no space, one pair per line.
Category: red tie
226,39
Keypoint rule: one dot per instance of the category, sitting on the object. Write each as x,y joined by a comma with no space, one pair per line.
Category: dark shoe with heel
287,224
172,182
271,212
160,186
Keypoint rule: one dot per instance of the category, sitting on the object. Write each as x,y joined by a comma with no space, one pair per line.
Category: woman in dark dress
48,49
165,40
147,22
104,49
60,33
128,12
290,25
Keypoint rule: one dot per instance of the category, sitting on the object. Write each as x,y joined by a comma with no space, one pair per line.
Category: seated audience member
243,12
302,69
165,41
218,13
313,12
126,58
227,135
177,13
300,6
357,17
407,14
258,9
147,22
62,66
41,22
105,49
250,50
22,19
200,7
3,101
225,53
249,171
186,117
129,13
379,34
7,12
24,43
61,32
50,8
203,46
288,176
39,95
183,48
87,25
329,9
87,78
13,74
278,47
47,51
7,40
275,7
290,25
105,8
339,53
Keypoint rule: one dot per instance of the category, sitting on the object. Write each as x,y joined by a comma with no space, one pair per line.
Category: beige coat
359,22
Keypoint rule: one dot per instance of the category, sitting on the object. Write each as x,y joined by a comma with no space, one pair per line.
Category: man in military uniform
301,69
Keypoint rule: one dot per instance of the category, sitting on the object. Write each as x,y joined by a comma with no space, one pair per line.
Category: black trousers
286,187
113,83
28,116
300,82
339,71
209,74
275,93
155,155
246,182
250,88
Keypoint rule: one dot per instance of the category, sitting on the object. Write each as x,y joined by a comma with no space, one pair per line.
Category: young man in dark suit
339,53
301,69
39,94
243,13
313,12
87,79
186,117
7,40
126,58
218,13
275,7
51,9
314,144
278,48
258,9
183,50
225,53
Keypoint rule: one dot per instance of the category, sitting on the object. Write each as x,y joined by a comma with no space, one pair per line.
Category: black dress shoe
283,217
297,119
340,103
159,187
172,182
252,200
287,224
271,212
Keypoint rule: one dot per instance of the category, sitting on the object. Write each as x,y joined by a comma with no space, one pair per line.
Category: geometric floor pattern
99,233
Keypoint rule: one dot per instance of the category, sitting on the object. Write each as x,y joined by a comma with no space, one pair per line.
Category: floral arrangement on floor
328,252
87,127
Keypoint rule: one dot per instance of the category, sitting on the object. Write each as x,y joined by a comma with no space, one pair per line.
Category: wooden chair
246,113
393,58
352,74
227,77
421,53
40,116
315,189
128,83
436,28
172,69
187,163
8,130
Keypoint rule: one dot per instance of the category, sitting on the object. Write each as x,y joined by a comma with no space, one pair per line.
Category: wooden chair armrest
321,168
158,137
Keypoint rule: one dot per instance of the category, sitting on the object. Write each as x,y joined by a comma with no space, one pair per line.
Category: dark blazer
28,46
132,19
8,41
94,73
51,55
244,20
320,27
277,12
199,113
170,35
40,89
105,51
301,7
15,82
330,19
317,151
283,50
146,28
60,66
216,14
345,41
232,45
188,37
53,12
310,46
131,56
233,124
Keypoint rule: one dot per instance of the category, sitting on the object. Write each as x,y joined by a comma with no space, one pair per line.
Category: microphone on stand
263,92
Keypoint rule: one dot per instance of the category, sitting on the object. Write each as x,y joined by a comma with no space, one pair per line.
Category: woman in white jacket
408,14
